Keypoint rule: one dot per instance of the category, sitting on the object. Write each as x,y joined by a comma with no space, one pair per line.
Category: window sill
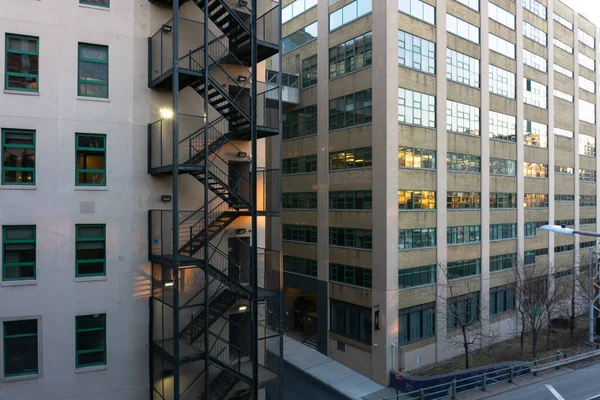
94,368
421,169
21,378
416,210
347,73
298,137
417,287
299,173
31,282
331,171
465,134
99,8
349,209
23,93
91,188
300,274
416,249
465,209
349,248
298,209
308,87
463,172
100,99
91,278
18,187
461,244
349,127
298,241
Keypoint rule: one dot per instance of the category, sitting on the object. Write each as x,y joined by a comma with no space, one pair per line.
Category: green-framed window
351,200
351,275
502,262
309,72
529,257
536,200
416,53
299,165
22,63
461,68
417,276
18,152
462,310
463,163
462,118
350,56
531,227
463,269
502,300
92,80
416,238
300,233
20,347
350,159
460,200
415,108
503,200
350,237
416,323
300,265
503,231
90,332
90,250
412,157
302,200
98,3
18,253
564,248
299,123
351,110
416,200
464,234
90,161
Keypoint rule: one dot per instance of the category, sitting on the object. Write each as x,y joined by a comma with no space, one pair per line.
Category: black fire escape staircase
229,198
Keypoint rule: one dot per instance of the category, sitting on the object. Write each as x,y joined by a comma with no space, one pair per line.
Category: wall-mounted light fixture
242,3
240,231
242,78
166,28
243,307
169,284
377,320
166,113
242,154
166,198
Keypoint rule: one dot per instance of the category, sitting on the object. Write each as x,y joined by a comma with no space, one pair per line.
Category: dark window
300,123
351,110
351,321
90,250
90,340
299,165
351,200
463,269
300,233
20,347
417,276
18,253
502,300
299,265
349,237
350,56
350,275
309,72
416,238
306,200
416,323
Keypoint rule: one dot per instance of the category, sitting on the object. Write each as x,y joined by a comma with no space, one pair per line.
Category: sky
590,8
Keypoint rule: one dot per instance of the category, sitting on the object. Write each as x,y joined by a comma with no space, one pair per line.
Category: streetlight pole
593,298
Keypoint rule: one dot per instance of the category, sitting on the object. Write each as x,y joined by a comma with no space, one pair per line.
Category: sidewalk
491,390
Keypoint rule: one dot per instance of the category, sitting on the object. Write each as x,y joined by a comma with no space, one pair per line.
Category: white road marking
554,392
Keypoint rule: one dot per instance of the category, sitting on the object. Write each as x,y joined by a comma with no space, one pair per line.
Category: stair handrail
234,15
201,209
222,176
221,253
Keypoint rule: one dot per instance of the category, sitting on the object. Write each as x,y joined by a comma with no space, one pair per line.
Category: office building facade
430,141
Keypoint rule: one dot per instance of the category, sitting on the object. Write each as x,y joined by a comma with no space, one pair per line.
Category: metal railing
268,25
450,390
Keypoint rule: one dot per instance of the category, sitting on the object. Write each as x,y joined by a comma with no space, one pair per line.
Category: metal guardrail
449,390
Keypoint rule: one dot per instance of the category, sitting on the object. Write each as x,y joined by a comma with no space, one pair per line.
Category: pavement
326,371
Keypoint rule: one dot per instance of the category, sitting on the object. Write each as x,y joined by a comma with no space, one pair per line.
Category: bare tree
463,313
537,299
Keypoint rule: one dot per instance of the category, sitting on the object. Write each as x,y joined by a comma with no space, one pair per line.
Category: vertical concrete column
385,188
520,136
576,133
323,174
485,166
551,136
442,185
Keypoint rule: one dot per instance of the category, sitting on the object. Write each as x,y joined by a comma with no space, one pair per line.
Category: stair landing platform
325,369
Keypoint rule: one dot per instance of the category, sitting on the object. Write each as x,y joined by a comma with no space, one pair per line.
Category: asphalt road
580,384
